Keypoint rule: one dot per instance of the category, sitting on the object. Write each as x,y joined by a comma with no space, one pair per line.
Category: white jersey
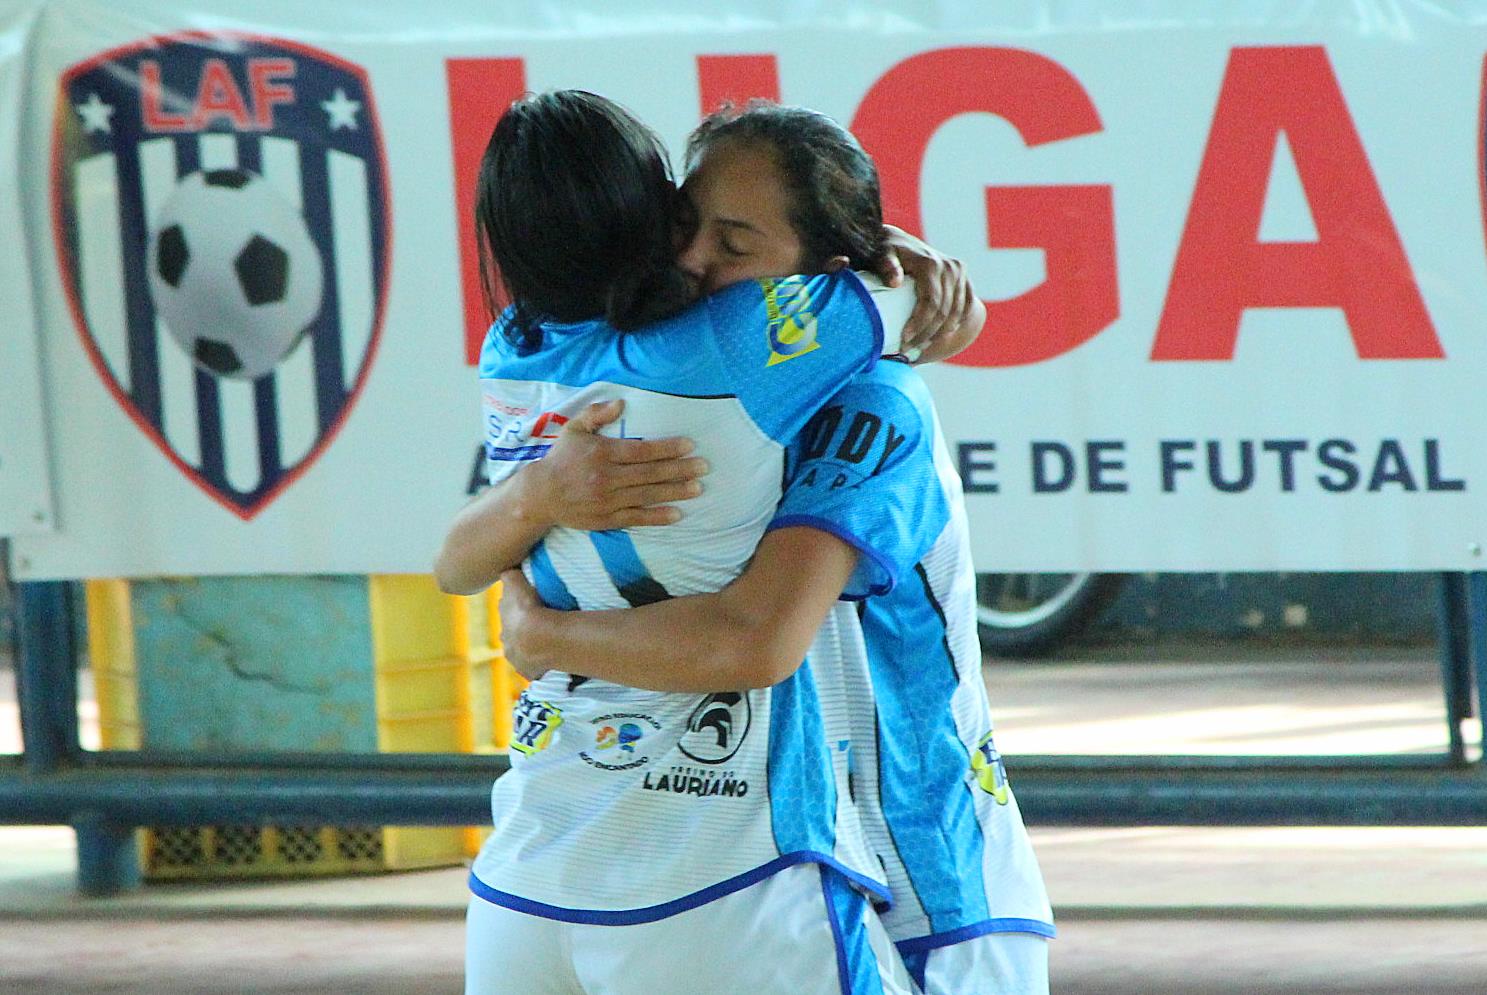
624,805
873,469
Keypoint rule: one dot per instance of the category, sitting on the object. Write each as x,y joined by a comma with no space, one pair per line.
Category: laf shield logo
220,206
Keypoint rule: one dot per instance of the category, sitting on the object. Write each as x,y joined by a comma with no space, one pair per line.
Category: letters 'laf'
218,97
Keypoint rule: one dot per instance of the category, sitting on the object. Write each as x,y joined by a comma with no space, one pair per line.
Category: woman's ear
835,264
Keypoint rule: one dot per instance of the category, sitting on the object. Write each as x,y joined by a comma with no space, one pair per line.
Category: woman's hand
521,611
591,482
586,481
948,315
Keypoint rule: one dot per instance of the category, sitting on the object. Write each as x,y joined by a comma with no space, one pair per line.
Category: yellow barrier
441,685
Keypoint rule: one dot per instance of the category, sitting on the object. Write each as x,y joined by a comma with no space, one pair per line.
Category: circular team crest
717,727
220,212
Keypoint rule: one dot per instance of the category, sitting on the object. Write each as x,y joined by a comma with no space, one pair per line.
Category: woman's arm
586,481
947,314
752,634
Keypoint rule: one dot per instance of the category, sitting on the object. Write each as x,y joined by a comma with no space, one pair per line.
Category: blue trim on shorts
843,974
856,968
950,937
630,917
918,965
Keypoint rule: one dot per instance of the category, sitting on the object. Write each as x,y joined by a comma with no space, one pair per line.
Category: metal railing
104,795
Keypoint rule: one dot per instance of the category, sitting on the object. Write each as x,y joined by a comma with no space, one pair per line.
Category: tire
1030,615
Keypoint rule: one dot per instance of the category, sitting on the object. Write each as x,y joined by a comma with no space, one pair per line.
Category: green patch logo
990,772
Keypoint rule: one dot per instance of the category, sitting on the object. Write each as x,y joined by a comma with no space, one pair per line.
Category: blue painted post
107,856
1455,658
1476,624
47,691
46,676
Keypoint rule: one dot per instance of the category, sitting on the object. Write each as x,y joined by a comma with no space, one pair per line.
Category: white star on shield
95,114
341,110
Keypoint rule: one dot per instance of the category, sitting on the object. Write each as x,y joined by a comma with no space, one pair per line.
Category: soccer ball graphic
234,272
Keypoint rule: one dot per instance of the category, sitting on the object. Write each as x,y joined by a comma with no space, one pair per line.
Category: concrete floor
1149,910
398,955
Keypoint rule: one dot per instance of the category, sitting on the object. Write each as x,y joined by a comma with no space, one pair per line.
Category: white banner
1234,261
25,490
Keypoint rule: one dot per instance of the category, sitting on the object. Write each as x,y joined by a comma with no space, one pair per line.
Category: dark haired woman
780,188
637,828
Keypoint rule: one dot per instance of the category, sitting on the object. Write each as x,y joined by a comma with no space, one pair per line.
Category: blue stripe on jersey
922,761
802,782
550,587
623,564
856,964
630,917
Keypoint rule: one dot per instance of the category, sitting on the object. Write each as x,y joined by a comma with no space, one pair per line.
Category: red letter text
1357,262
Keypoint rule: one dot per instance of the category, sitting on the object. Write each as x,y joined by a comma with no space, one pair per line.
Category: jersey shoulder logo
220,214
791,324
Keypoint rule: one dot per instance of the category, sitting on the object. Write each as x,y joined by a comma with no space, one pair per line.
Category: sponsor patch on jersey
990,772
514,433
522,421
697,782
841,447
791,323
619,741
717,727
532,724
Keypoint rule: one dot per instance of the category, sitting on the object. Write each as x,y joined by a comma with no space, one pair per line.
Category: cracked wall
255,663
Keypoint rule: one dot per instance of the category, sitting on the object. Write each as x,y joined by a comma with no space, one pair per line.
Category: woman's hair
835,205
574,216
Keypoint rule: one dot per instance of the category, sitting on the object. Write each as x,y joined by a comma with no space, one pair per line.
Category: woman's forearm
687,644
490,535
753,633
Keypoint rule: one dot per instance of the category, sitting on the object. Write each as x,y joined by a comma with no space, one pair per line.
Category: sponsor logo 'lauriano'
698,782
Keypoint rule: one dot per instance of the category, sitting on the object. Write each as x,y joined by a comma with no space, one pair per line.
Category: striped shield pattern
221,218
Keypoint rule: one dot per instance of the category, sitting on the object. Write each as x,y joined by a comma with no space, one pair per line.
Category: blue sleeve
787,345
863,470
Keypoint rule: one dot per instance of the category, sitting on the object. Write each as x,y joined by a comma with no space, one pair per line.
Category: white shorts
994,964
800,931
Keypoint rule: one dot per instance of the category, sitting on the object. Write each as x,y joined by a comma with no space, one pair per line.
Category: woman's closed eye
731,248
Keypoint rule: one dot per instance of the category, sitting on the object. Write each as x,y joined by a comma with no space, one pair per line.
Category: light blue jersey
872,468
624,805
